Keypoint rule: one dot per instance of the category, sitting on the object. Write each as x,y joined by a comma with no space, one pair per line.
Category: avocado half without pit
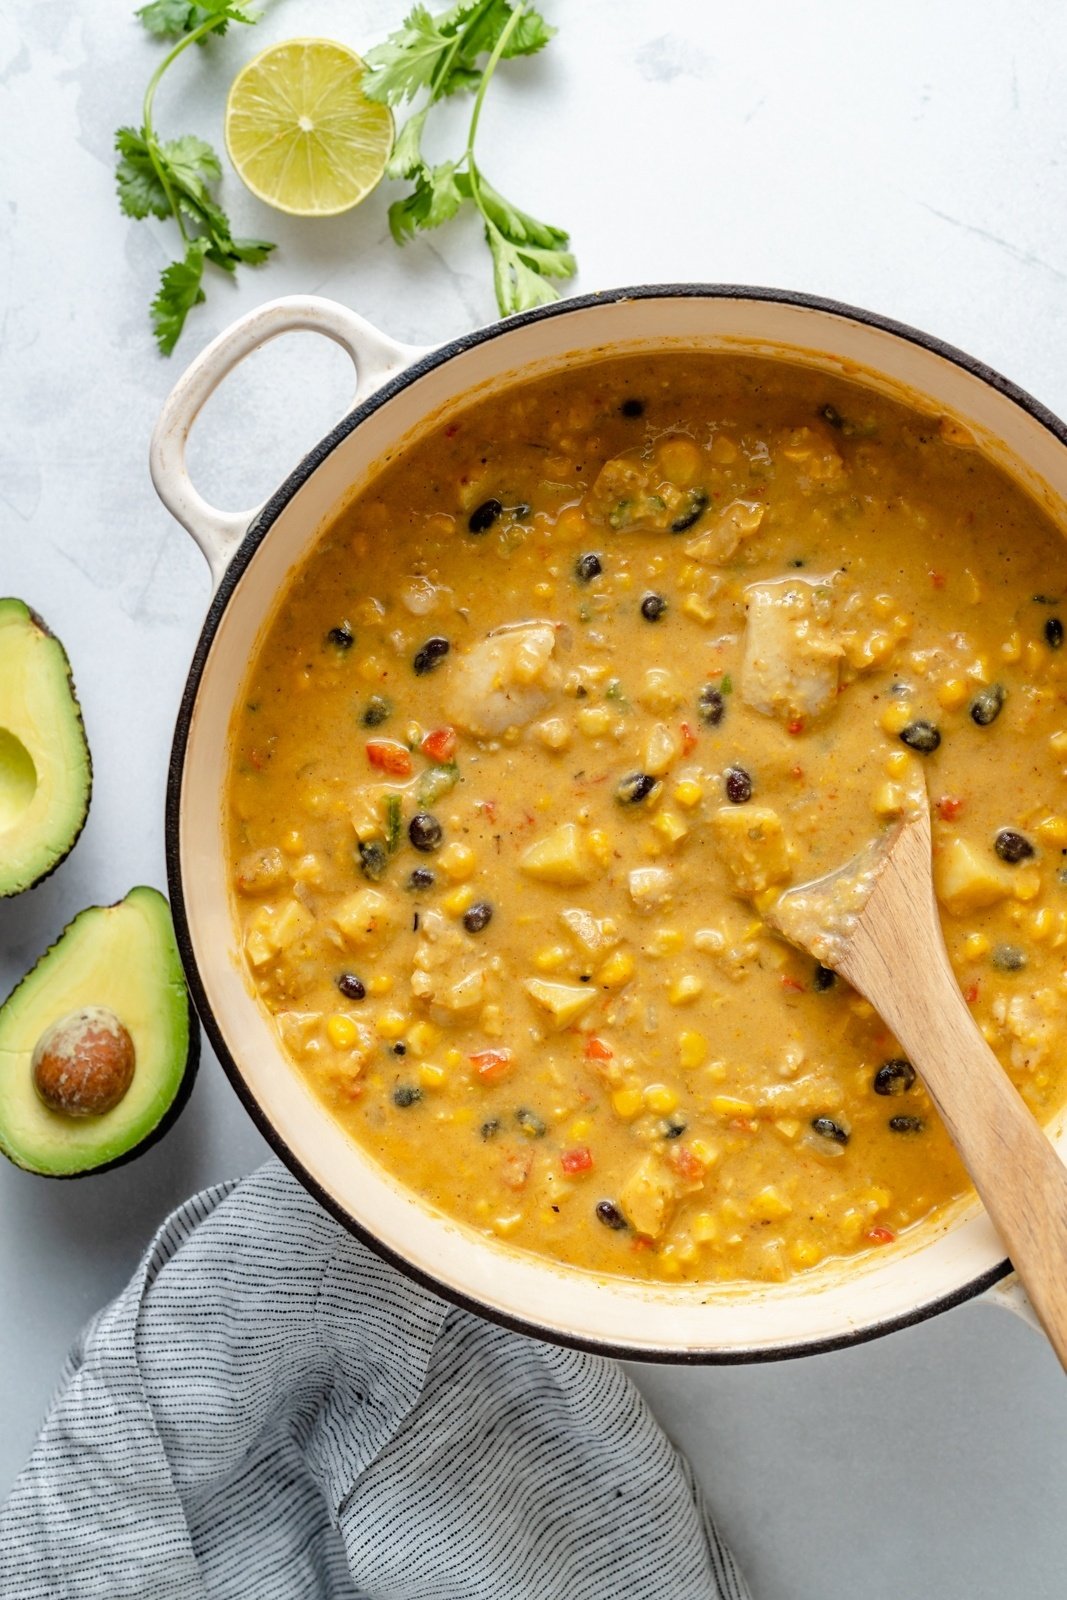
99,1044
45,771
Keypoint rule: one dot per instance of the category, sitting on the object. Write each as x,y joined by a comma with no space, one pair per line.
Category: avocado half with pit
99,1044
45,771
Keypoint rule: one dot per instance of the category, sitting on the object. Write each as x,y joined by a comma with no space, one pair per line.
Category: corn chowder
556,709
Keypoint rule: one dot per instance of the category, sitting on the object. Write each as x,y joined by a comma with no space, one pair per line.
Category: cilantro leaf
520,273
436,197
406,159
192,162
516,225
179,291
172,19
405,62
140,192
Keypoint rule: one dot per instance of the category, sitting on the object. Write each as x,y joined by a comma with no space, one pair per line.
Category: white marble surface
910,159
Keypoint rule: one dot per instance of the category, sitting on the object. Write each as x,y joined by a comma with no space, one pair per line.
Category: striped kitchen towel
269,1412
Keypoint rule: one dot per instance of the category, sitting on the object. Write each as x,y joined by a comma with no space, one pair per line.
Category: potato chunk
752,845
725,532
363,918
564,1002
560,857
792,652
966,880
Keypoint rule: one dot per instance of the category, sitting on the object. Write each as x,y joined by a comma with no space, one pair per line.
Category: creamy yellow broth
607,663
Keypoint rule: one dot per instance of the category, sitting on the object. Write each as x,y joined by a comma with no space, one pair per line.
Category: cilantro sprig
436,57
172,178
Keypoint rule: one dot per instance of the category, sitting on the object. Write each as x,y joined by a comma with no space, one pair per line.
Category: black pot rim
257,532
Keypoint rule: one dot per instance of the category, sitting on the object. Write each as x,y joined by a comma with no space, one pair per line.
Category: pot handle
374,356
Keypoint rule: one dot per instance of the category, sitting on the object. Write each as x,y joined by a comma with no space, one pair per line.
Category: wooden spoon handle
1018,1174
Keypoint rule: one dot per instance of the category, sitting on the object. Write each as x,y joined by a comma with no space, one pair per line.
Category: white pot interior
835,1302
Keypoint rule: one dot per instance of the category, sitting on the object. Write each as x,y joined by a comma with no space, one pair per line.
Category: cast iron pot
403,391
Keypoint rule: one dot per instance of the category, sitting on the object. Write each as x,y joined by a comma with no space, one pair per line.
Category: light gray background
907,158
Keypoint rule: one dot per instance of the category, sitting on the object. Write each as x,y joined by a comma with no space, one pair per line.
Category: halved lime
300,132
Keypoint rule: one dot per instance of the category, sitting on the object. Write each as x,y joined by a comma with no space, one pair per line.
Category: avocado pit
84,1063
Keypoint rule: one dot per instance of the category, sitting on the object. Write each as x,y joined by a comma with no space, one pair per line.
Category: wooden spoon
876,923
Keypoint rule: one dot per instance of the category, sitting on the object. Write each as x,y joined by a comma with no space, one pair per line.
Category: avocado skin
185,1086
163,1126
42,626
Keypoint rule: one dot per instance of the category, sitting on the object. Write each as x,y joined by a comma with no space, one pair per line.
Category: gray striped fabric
268,1412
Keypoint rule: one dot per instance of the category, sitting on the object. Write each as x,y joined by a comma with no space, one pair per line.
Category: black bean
634,788
490,1129
425,832
827,1128
587,567
373,859
906,1124
430,656
400,1049
894,1077
482,517
921,736
632,408
1054,633
831,415
375,711
698,504
530,1122
988,704
1012,847
342,638
609,1214
823,978
711,704
405,1095
652,607
673,1129
421,878
1008,958
350,986
738,785
478,917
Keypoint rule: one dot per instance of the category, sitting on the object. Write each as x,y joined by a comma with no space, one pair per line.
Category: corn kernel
1053,830
727,1105
341,1031
707,1154
422,1038
293,843
453,1058
669,826
895,718
1041,924
456,861
703,1227
1058,743
1027,883
1012,648
431,1076
692,1050
660,1098
688,793
580,1128
685,989
381,983
371,669
599,846
698,609
458,900
551,958
888,800
804,1253
952,693
897,763
975,945
616,970
391,1024
768,1205
1035,657
626,1103
554,733
594,721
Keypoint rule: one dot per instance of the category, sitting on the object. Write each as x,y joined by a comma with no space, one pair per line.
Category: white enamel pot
402,392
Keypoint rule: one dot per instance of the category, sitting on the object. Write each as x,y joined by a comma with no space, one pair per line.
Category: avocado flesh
45,772
123,957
